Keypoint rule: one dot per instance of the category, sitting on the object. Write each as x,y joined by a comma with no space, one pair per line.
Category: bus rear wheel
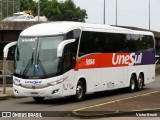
38,99
132,86
80,91
140,82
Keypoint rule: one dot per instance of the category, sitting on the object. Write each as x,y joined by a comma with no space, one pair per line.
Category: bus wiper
41,65
30,62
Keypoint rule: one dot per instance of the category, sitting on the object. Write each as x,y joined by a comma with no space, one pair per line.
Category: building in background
8,8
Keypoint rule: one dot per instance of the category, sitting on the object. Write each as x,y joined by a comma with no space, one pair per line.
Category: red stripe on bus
104,60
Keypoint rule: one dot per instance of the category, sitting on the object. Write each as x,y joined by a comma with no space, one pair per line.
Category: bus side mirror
62,45
6,48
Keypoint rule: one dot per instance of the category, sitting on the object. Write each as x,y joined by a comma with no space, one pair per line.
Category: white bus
61,59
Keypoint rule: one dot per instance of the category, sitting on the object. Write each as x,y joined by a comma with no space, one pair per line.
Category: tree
27,5
56,11
69,11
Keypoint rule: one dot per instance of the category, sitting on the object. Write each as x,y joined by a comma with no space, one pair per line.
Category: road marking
127,98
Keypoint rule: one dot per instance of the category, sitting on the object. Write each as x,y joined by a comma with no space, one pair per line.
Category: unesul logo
118,59
33,82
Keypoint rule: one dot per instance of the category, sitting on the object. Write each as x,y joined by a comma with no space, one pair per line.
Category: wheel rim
132,84
140,83
79,91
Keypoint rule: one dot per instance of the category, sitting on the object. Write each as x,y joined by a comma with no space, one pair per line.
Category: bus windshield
36,57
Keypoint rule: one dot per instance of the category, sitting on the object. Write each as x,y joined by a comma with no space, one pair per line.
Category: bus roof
51,28
56,28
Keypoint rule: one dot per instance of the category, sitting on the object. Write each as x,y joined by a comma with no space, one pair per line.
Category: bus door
69,61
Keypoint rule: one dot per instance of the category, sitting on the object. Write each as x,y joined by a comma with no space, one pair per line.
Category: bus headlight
16,82
57,82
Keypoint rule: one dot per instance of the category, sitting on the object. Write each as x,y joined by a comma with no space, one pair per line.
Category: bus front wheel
38,99
80,91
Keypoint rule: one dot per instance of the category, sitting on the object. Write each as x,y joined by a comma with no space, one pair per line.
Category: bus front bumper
51,91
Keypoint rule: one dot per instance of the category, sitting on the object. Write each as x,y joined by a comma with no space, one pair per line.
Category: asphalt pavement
141,105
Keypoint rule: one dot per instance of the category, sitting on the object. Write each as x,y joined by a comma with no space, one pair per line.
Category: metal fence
8,7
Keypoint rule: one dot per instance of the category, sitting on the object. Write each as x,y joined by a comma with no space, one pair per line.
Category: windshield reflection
37,57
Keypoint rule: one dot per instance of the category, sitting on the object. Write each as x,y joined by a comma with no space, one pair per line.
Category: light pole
149,14
38,9
7,8
1,11
116,12
104,13
13,6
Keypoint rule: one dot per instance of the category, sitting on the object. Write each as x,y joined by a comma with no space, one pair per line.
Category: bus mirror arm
6,48
157,58
62,45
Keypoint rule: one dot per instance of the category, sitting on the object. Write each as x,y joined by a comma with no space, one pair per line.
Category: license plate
34,93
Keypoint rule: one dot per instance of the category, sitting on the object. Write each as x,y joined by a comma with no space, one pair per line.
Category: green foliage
56,11
27,5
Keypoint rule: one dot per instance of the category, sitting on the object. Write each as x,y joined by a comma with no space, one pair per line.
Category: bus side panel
92,77
150,73
112,78
68,84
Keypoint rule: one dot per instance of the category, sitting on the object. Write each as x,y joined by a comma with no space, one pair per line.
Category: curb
5,97
134,113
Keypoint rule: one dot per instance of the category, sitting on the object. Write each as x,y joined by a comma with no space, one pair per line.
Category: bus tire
80,91
132,86
140,82
38,99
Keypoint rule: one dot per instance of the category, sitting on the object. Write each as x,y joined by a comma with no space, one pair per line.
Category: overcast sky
130,12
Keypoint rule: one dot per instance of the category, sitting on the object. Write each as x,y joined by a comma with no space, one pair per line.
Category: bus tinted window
69,55
147,42
113,42
133,43
140,43
100,42
73,34
87,43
